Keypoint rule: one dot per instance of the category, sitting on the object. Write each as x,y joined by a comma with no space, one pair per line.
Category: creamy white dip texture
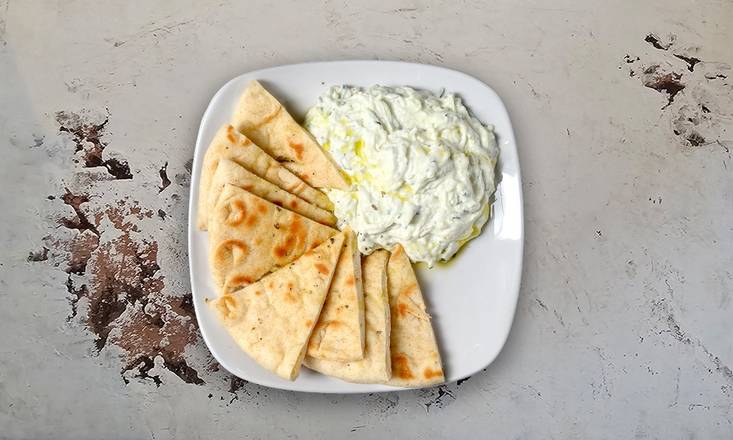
421,167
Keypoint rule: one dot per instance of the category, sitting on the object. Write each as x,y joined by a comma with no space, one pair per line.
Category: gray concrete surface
624,325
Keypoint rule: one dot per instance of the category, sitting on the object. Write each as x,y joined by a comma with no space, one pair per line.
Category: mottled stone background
623,113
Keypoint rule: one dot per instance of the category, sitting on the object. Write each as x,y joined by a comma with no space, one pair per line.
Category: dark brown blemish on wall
81,222
695,139
118,168
80,251
143,365
89,144
164,180
180,368
236,384
668,83
656,43
75,294
691,61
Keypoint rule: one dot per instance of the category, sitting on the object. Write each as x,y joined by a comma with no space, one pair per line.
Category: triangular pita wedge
339,333
415,356
229,144
229,172
249,237
272,319
264,120
375,366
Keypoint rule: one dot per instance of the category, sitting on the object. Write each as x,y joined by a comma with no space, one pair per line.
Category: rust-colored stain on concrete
87,135
114,282
699,97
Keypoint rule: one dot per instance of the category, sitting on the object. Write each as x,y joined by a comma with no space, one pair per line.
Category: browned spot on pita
271,284
401,367
322,268
350,281
290,286
335,323
234,249
298,148
239,280
247,187
308,323
293,203
429,374
230,134
246,141
258,292
289,297
251,220
407,291
261,207
296,226
402,309
237,212
284,249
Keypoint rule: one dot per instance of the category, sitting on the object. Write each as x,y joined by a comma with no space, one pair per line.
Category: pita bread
415,356
264,120
249,237
375,366
339,333
229,172
272,319
229,144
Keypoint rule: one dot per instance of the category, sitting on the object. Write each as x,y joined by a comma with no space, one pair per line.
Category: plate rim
191,224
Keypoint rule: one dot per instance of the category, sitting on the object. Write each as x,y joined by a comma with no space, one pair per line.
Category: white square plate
472,299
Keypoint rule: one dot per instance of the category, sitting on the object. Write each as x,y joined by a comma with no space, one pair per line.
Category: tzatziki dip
421,167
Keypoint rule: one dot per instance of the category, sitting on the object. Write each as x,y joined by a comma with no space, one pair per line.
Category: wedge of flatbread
229,172
229,144
272,319
339,333
249,237
264,120
375,366
415,356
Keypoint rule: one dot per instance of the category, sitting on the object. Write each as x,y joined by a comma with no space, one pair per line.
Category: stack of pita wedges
292,289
